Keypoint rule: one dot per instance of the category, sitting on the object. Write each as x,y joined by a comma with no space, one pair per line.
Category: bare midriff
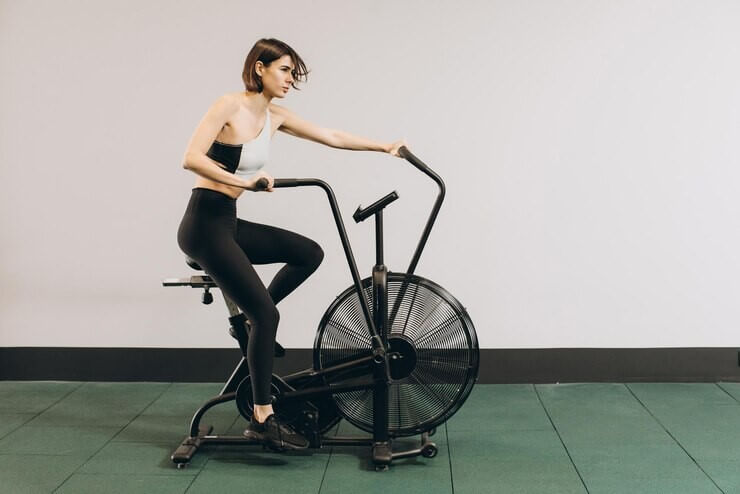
233,192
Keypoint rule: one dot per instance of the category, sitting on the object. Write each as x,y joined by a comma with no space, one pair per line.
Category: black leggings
226,247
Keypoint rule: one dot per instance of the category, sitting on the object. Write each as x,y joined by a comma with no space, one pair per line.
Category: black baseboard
542,365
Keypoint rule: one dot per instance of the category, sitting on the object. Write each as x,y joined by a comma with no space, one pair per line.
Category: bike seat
191,262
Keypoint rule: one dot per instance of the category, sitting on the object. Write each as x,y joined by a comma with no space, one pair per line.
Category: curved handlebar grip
261,184
404,153
287,182
283,182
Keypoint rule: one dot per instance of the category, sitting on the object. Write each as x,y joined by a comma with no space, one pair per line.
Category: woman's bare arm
195,158
296,126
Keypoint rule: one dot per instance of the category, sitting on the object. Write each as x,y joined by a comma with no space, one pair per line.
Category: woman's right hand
252,182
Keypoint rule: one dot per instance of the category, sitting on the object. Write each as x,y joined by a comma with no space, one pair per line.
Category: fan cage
442,335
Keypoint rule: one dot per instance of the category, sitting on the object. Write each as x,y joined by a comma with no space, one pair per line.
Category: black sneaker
275,434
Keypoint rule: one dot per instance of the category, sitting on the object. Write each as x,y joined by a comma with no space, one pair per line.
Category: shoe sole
275,446
272,443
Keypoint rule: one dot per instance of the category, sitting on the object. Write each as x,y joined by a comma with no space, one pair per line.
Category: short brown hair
267,51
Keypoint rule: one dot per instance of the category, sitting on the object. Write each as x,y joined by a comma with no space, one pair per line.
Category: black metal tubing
357,363
195,422
380,312
330,389
408,156
298,182
379,238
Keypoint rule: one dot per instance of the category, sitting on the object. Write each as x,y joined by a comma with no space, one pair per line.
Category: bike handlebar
403,152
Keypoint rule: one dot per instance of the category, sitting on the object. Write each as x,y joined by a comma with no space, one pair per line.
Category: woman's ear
259,67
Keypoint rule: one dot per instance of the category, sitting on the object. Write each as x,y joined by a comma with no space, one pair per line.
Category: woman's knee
314,255
266,317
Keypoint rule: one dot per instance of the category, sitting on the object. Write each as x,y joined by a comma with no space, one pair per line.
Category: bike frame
375,371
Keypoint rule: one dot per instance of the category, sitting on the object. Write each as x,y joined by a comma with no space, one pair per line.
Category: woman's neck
257,102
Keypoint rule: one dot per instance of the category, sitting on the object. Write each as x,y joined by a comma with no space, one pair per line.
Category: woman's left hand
396,145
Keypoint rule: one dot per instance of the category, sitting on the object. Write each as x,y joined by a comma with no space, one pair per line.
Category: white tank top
254,153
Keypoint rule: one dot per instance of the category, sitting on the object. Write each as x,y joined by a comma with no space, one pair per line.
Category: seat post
379,238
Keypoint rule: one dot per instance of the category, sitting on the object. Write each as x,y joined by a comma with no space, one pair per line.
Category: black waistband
212,193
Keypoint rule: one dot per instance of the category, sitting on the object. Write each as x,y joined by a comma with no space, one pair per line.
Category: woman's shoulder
228,102
277,109
279,113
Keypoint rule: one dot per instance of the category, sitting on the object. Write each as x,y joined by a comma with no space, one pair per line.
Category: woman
228,151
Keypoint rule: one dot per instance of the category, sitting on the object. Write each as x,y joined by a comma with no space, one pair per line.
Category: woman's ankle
261,418
262,414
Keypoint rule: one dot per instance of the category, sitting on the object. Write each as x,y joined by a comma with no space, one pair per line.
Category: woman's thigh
231,269
265,244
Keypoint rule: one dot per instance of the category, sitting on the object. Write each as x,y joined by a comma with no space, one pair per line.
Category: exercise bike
395,354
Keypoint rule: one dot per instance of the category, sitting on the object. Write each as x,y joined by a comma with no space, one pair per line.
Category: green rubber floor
71,437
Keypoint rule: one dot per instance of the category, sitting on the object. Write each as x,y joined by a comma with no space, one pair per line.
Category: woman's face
276,77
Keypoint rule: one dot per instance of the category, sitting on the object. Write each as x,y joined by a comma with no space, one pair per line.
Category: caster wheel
381,468
429,450
180,466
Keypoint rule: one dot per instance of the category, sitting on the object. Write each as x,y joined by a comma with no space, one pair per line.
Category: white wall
589,150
